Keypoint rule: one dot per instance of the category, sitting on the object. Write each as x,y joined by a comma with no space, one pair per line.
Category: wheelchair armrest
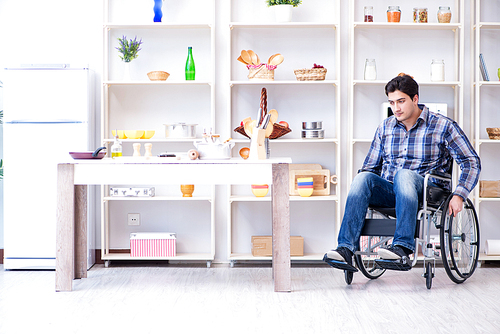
440,174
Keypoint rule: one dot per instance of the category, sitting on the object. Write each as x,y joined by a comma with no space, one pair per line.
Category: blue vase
158,12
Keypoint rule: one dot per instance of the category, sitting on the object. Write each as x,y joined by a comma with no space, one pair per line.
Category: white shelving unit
391,42
143,104
312,37
485,23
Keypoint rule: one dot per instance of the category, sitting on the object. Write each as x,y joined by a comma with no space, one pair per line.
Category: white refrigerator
48,112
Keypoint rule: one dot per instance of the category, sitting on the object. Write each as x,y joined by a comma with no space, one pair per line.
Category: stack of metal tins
313,130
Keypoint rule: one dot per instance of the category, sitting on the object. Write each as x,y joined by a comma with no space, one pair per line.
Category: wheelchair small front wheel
428,275
459,237
348,276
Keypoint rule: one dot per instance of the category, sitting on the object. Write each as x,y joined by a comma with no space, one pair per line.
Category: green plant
128,49
294,3
1,169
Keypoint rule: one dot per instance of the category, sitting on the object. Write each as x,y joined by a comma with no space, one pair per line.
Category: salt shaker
147,148
370,70
137,150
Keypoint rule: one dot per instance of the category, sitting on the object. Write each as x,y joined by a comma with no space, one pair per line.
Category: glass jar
368,13
444,14
420,15
393,14
370,70
437,70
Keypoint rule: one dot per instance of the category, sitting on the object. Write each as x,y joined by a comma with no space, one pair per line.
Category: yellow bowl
121,134
148,134
134,134
305,192
260,190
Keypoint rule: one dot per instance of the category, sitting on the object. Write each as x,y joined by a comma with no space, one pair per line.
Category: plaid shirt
428,145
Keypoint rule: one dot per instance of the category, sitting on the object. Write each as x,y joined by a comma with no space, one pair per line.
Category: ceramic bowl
305,186
121,134
260,190
187,190
134,134
305,191
148,134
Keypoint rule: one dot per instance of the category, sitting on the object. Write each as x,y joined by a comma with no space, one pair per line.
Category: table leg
65,238
281,229
81,231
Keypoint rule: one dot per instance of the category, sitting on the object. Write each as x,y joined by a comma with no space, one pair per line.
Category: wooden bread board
321,181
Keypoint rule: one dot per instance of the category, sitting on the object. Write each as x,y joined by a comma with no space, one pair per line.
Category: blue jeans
369,189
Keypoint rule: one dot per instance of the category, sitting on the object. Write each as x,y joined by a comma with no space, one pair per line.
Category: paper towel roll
492,247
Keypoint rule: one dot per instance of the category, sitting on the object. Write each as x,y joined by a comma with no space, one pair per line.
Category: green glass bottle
190,69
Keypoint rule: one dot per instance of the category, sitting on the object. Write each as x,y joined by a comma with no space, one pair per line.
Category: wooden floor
160,298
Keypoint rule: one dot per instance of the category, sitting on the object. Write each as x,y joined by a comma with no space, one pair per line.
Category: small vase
283,13
187,190
126,72
157,10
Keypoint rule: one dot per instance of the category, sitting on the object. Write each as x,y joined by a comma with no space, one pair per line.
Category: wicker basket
313,74
158,75
493,133
278,131
261,72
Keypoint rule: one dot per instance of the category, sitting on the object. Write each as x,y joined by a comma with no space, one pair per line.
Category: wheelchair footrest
402,264
339,264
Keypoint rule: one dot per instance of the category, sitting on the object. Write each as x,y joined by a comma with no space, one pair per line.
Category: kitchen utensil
265,122
214,151
274,115
258,60
271,58
241,60
259,118
278,59
257,148
313,134
318,125
87,155
253,56
269,129
180,130
246,56
96,152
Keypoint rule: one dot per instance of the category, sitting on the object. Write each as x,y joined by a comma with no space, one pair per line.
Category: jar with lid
368,13
370,70
444,14
393,14
437,70
420,15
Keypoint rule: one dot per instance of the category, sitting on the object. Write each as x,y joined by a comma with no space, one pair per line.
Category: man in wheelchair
405,147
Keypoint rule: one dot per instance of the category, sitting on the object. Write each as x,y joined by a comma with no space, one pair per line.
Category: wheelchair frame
428,214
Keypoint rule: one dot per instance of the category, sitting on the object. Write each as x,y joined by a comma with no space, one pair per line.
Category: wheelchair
458,237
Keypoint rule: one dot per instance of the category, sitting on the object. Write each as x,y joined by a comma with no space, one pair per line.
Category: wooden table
73,178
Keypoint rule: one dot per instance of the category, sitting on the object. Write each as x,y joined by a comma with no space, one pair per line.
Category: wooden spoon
253,56
270,59
274,116
278,59
246,57
258,60
241,60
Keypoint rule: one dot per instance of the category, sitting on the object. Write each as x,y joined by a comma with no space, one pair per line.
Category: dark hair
404,83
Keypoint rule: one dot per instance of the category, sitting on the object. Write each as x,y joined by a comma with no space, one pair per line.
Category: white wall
61,31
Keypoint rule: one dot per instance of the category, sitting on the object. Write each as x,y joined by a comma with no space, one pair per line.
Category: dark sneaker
342,254
393,252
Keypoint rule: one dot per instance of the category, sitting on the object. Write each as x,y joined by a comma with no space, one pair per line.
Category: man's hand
456,205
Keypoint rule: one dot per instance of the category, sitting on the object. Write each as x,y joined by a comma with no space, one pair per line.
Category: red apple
285,124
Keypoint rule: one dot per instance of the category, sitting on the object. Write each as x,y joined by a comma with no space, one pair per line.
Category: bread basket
158,75
493,133
312,74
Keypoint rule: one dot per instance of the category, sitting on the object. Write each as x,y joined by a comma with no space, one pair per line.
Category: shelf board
489,199
283,25
484,257
489,141
362,141
154,140
283,82
489,25
297,140
159,25
250,257
489,83
156,83
157,198
292,198
178,257
407,25
423,83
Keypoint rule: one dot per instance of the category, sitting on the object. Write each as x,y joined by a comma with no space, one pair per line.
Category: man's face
404,109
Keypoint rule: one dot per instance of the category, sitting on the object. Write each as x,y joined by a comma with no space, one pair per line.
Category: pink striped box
152,244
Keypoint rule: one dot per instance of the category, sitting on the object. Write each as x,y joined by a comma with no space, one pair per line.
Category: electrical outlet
134,219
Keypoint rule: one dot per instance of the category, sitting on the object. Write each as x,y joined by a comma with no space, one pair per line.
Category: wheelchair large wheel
459,242
367,254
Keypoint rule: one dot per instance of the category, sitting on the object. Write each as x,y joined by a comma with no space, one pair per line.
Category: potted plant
128,51
283,9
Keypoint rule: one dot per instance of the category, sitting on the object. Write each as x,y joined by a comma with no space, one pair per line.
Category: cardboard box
263,246
152,244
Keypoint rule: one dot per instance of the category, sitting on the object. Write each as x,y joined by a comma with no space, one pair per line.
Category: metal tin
318,125
313,134
214,151
180,130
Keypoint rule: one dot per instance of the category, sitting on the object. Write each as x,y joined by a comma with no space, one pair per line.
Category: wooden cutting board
321,178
